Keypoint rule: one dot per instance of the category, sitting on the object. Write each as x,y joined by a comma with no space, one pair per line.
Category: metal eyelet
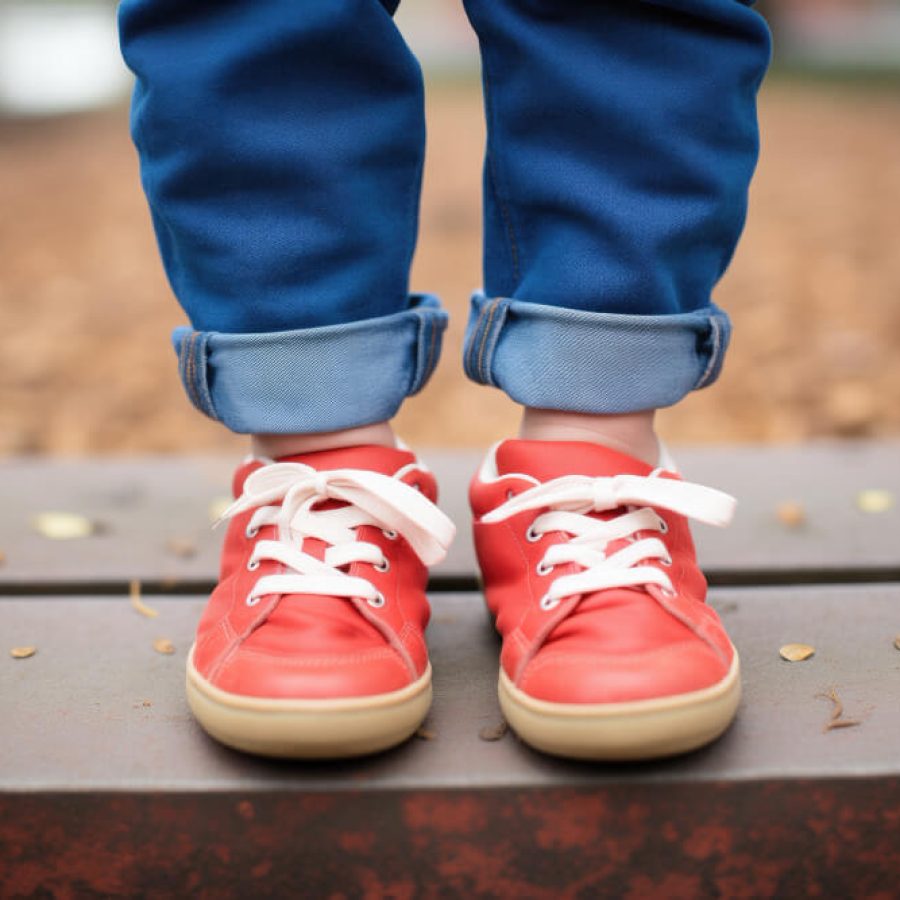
251,600
383,566
532,536
377,601
543,569
663,526
251,533
666,562
390,534
252,565
547,603
510,494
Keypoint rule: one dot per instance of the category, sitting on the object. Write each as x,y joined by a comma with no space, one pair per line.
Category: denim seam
484,338
190,367
492,171
432,343
714,353
202,376
471,349
493,337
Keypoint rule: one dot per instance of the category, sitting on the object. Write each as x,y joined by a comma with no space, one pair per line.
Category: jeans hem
550,357
312,379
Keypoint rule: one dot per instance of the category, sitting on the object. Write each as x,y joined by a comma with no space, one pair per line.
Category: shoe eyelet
510,494
666,562
251,533
383,566
377,601
390,534
663,526
543,569
252,565
547,602
532,536
251,600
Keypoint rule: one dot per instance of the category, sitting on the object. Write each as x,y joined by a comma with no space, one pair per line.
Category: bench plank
107,787
98,709
143,505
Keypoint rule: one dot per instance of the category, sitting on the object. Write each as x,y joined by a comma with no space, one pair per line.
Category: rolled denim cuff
550,357
312,379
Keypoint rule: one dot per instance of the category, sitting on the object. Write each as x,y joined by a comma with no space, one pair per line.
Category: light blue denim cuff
550,357
312,379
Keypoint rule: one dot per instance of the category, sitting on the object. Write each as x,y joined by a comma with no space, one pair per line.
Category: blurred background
85,360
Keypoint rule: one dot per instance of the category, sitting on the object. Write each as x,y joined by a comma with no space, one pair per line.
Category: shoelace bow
569,500
285,494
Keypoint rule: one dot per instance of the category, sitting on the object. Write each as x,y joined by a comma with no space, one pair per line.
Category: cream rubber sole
618,732
308,729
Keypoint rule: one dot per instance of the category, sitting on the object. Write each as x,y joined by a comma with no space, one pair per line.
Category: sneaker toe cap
321,677
564,677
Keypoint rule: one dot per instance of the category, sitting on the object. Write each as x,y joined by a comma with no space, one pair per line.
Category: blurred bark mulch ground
87,365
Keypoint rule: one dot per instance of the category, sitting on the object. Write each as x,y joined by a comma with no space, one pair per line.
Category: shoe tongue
545,460
372,457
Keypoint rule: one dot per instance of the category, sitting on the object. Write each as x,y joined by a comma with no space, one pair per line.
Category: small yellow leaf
796,652
22,652
874,500
897,642
164,646
62,526
791,514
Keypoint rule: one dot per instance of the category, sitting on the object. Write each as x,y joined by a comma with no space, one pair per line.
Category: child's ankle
275,446
630,433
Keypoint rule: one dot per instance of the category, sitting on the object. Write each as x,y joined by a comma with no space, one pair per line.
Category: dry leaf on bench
874,500
22,652
791,514
134,594
62,526
796,652
164,646
184,548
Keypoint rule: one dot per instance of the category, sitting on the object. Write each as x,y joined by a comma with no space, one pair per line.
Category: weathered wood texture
143,505
98,709
108,788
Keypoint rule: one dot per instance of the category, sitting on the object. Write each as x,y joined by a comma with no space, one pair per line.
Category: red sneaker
609,650
312,644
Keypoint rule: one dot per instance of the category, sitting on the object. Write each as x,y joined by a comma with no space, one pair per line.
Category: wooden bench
107,787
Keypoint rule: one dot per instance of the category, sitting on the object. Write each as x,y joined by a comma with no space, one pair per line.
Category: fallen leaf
796,652
493,732
164,646
791,514
874,500
183,548
134,595
22,652
842,723
62,526
218,507
837,712
897,642
425,734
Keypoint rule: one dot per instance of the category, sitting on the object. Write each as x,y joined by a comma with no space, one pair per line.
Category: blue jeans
281,147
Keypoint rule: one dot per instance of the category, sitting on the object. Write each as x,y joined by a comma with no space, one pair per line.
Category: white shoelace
572,497
285,494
